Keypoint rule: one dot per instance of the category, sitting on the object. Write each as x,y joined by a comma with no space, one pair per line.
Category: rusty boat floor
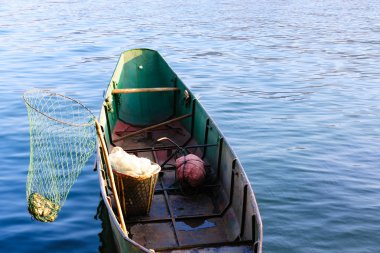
178,219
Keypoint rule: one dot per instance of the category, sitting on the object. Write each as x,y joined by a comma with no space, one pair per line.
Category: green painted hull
144,68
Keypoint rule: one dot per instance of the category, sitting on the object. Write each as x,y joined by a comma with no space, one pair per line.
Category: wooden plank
153,127
139,90
110,174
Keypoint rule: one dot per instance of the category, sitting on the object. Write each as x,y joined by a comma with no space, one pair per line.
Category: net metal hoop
49,93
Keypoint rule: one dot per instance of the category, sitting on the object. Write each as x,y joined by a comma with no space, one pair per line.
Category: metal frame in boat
227,195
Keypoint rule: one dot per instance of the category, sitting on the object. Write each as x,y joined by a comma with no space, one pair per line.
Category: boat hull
225,211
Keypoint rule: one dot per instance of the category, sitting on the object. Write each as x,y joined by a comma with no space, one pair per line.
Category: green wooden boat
145,101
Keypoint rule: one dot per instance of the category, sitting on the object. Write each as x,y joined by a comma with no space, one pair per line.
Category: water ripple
294,87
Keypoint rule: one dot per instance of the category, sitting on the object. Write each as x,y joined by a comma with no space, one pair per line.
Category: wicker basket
135,194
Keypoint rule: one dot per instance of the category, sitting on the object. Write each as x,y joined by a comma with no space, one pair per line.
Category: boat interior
221,214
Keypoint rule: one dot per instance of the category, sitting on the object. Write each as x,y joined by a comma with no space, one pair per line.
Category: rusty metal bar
221,141
108,126
175,97
192,118
254,228
117,100
206,137
174,189
187,217
167,202
231,193
243,212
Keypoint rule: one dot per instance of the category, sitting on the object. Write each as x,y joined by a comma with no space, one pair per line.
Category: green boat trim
233,223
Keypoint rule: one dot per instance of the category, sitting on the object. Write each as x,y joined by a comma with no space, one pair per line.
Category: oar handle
110,174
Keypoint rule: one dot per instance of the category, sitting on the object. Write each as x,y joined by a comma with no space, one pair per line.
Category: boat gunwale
255,243
110,211
242,171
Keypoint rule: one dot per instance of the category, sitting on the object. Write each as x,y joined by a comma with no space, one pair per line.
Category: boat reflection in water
107,244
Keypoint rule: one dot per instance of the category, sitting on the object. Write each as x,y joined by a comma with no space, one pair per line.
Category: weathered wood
152,127
139,90
110,174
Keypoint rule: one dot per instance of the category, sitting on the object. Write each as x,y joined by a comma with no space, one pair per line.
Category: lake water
293,85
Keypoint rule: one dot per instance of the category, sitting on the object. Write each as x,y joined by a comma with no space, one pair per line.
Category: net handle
109,171
63,96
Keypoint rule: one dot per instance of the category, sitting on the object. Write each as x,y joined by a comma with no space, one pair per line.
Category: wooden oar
110,174
138,90
152,127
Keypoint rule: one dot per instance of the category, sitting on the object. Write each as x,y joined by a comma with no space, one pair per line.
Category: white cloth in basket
132,165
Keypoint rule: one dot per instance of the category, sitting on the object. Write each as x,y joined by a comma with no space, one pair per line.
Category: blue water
293,85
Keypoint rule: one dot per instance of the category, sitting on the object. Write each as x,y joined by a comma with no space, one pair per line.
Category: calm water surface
294,86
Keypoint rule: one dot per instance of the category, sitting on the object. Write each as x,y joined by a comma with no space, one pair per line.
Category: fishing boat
146,101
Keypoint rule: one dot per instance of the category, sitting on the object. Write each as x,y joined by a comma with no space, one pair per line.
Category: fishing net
62,139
